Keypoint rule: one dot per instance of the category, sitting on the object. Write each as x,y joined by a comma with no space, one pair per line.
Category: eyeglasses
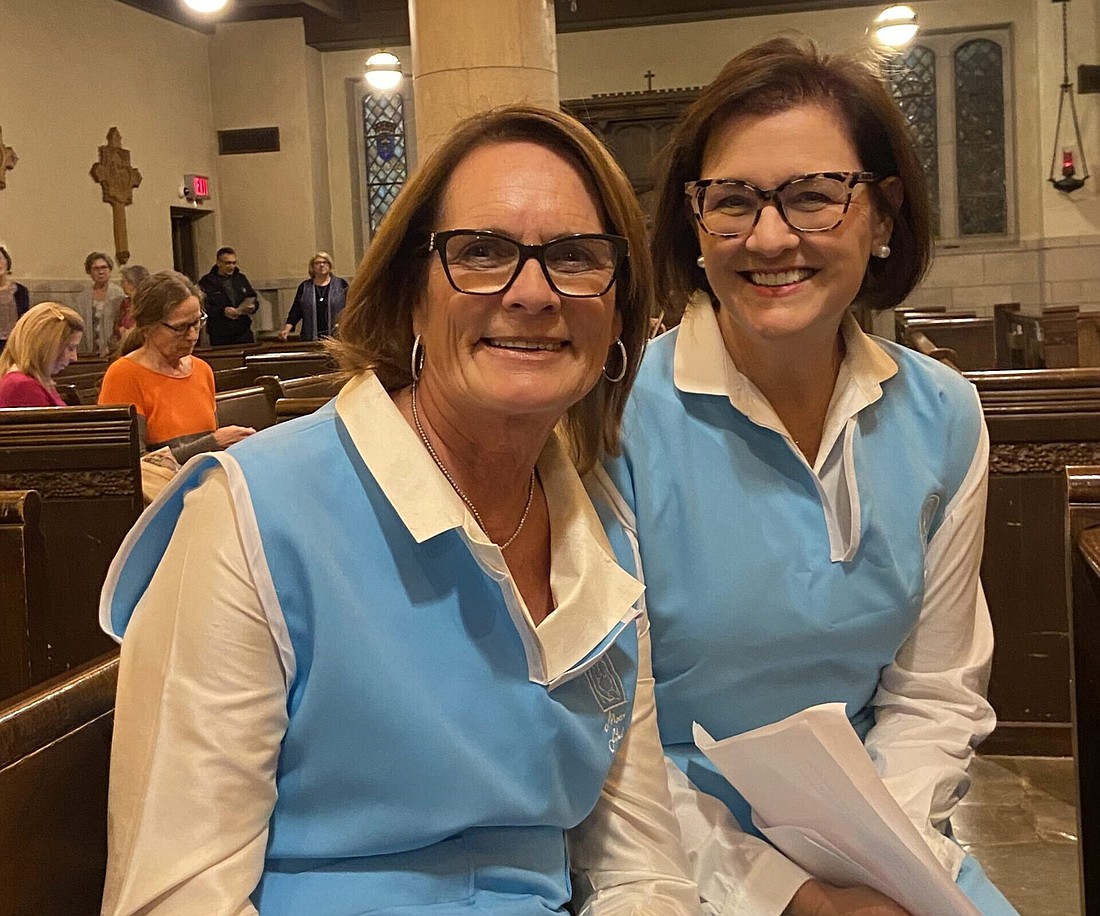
181,329
817,202
486,263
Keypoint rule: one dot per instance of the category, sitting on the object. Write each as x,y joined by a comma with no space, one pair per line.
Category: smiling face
775,281
174,345
67,352
527,351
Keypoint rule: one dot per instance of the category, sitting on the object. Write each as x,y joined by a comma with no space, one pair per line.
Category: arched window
384,142
912,78
955,93
980,138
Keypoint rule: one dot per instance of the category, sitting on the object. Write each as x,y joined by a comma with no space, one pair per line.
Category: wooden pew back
1039,422
970,337
22,585
1083,550
291,408
54,760
84,462
252,406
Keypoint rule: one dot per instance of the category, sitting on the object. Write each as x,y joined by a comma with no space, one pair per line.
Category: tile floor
1019,820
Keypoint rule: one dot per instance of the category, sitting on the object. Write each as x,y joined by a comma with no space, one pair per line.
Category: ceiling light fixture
205,6
383,71
895,26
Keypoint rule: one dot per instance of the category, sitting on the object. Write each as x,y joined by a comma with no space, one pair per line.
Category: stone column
471,55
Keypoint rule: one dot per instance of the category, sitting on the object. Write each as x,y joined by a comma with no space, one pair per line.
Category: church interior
255,128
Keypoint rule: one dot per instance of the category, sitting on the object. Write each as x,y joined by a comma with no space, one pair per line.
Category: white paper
816,796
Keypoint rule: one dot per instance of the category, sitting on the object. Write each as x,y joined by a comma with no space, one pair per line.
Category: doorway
190,229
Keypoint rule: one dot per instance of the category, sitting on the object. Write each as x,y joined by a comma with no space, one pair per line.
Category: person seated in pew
318,301
382,658
809,501
172,390
42,343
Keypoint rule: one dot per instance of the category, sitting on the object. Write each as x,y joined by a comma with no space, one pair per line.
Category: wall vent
248,140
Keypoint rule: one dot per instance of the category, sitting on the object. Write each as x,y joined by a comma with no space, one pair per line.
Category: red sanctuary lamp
1069,180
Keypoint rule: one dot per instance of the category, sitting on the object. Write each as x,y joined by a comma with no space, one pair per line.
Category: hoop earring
626,363
416,366
881,251
700,261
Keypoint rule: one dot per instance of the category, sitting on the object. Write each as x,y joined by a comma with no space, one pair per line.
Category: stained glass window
980,138
384,140
912,79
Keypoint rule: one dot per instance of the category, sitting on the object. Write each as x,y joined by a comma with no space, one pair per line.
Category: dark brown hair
770,78
95,256
376,327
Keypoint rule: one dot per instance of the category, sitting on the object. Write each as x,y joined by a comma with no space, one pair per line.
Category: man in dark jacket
230,301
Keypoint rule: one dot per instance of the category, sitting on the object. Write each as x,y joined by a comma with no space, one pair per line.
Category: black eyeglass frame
696,190
437,242
199,323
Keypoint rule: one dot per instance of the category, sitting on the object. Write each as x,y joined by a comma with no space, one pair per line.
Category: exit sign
196,187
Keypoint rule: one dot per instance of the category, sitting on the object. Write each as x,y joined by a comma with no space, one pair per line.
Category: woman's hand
226,436
285,332
816,898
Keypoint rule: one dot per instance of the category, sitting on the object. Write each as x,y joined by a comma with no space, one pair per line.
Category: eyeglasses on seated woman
389,657
808,500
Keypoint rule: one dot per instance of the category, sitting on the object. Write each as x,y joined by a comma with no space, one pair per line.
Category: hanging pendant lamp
1068,180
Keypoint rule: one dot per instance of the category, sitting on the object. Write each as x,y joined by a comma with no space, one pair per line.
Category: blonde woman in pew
42,343
809,500
172,389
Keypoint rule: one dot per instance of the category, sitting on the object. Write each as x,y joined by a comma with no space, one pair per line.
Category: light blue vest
750,619
422,771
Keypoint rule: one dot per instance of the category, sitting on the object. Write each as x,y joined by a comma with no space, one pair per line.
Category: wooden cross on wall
648,75
7,161
118,180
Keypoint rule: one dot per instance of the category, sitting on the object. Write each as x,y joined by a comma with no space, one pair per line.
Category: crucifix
7,161
649,74
118,180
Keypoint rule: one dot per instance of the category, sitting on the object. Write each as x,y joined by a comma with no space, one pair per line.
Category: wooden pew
55,745
1039,422
1007,342
84,462
289,364
971,337
229,379
252,406
314,386
292,408
22,585
919,341
1047,340
1088,339
1083,549
902,314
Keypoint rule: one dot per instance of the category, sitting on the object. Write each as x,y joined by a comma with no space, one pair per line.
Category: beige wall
272,204
71,70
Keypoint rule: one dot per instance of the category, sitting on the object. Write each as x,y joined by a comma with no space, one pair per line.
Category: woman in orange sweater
172,390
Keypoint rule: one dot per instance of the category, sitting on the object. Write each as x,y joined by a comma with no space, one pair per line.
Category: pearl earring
882,251
700,261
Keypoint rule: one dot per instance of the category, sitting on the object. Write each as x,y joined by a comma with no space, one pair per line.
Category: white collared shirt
189,807
930,709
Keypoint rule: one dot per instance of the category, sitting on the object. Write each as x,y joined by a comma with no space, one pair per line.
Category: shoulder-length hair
376,327
770,78
153,299
37,338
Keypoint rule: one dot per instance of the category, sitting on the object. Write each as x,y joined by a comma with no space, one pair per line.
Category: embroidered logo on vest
607,688
605,684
